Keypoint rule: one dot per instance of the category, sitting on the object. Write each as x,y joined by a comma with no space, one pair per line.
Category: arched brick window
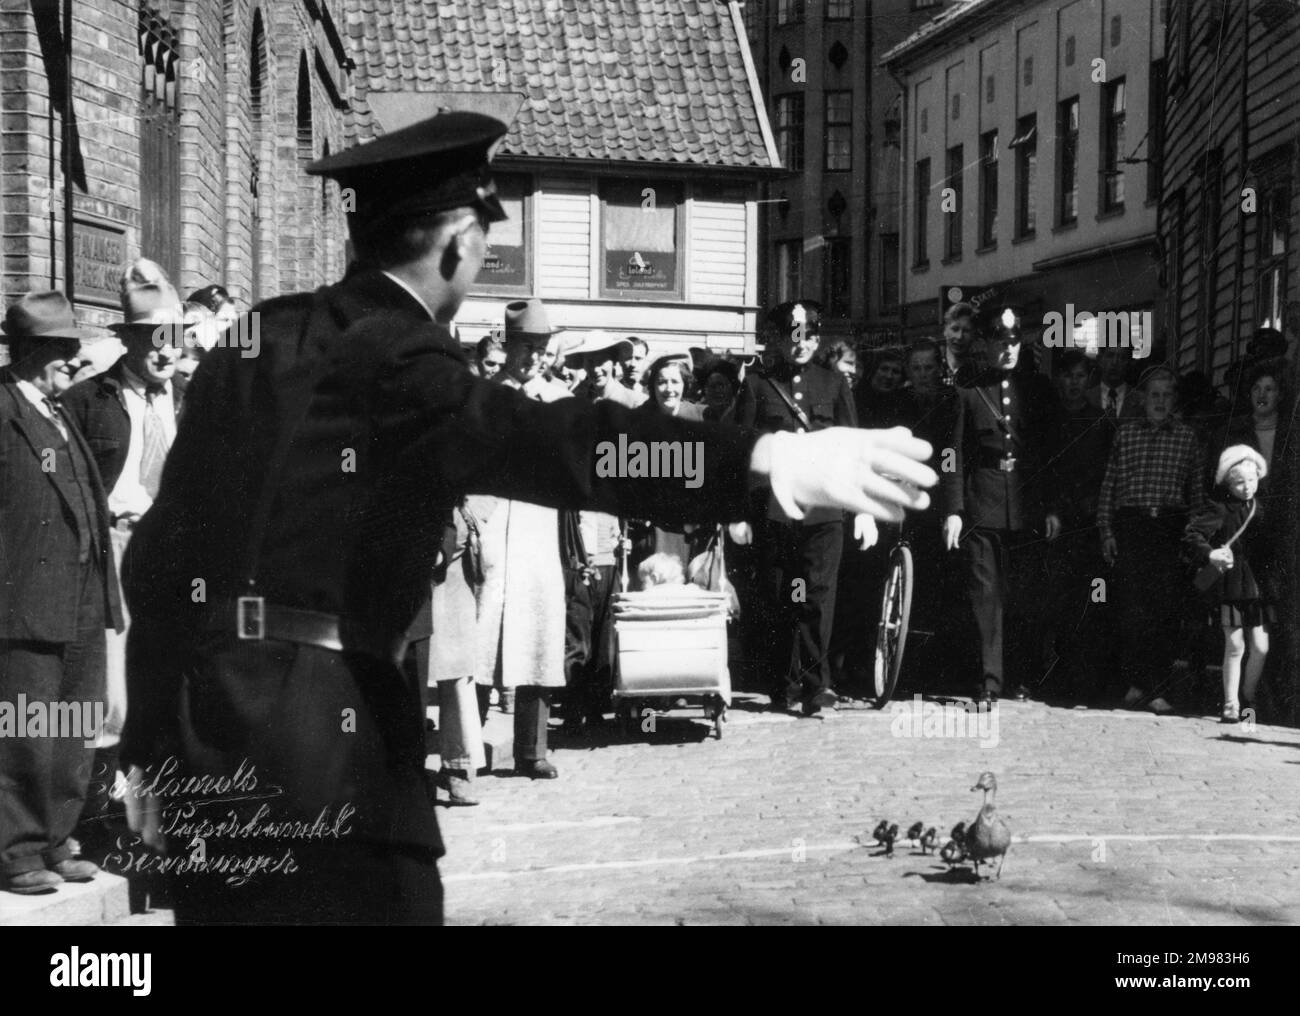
160,126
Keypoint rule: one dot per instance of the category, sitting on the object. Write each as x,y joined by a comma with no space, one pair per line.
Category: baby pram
671,645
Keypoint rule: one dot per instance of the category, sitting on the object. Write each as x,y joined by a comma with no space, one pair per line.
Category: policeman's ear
453,253
456,249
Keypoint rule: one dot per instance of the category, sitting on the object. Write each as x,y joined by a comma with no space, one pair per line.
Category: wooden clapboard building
1230,204
1230,221
631,171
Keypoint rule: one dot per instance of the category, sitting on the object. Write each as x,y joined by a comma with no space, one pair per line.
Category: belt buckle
250,618
1007,464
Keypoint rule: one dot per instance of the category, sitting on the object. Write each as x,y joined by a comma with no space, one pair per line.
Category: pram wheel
719,714
625,718
891,636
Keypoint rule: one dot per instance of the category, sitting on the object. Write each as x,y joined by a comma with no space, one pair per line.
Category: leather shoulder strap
803,419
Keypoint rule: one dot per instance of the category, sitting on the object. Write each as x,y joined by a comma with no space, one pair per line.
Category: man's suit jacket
977,488
1133,407
39,545
384,429
96,405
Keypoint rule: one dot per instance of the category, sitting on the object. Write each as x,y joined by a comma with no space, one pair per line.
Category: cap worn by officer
795,313
1002,322
431,166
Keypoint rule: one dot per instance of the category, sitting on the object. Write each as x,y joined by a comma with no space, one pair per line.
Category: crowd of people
83,456
1089,532
1058,561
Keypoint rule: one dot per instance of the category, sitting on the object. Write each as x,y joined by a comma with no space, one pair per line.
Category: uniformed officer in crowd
999,500
292,542
799,556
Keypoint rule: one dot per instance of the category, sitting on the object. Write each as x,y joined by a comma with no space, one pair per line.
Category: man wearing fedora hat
57,593
522,567
128,415
305,497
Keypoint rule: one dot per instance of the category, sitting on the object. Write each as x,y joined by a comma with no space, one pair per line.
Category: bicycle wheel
891,636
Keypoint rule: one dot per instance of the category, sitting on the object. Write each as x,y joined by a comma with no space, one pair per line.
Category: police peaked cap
432,166
793,312
1002,321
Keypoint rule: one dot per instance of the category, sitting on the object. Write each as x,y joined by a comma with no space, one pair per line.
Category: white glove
142,811
865,532
951,532
876,472
1222,558
741,533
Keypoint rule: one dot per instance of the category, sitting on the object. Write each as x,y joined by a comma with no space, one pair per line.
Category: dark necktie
1112,403
56,417
155,443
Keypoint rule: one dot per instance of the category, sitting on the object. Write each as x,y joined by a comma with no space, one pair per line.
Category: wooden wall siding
1206,114
718,268
564,242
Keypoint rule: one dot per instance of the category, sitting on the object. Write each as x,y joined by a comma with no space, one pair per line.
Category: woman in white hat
1228,534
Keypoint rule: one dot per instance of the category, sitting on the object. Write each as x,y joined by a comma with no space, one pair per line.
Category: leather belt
1128,512
252,619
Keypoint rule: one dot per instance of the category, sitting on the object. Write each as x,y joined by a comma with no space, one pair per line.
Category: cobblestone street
1118,818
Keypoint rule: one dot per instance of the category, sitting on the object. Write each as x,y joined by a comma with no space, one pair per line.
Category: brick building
191,121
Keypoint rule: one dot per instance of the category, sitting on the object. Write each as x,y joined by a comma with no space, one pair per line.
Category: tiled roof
936,25
629,80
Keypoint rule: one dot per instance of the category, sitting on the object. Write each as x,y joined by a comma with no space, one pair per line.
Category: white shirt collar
138,385
35,396
416,296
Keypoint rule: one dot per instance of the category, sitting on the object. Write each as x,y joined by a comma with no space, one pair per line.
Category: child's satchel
1208,574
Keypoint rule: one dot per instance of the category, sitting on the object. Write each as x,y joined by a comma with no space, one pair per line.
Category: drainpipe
69,266
904,223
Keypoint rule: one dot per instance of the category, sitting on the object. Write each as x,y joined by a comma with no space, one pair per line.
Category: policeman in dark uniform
292,542
798,558
999,498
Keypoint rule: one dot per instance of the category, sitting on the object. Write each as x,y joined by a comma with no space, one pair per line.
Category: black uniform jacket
820,393
96,405
977,488
39,545
389,430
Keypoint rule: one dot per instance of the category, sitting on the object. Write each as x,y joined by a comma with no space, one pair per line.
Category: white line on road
844,846
586,823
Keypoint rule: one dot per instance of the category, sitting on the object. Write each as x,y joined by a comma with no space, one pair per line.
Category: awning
1025,138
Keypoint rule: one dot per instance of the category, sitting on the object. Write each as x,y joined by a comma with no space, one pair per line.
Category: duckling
988,836
929,840
891,834
954,851
881,832
914,832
